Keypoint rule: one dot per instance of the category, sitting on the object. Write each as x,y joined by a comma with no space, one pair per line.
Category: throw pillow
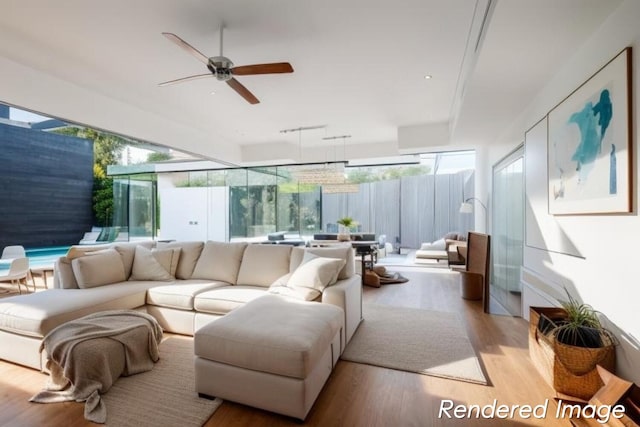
189,254
280,287
98,269
342,251
127,251
299,293
156,264
316,274
309,256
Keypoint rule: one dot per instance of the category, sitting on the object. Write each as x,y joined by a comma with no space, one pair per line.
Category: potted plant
567,343
345,228
581,326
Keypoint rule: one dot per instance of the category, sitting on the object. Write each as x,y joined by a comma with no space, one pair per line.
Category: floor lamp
467,207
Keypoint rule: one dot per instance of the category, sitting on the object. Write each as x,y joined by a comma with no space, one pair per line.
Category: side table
363,250
41,271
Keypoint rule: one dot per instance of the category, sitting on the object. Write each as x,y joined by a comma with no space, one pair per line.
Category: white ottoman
272,353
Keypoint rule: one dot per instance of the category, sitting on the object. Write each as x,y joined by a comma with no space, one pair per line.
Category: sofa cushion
438,245
189,254
127,251
155,264
38,313
431,254
98,269
180,294
272,334
343,251
219,261
262,264
223,300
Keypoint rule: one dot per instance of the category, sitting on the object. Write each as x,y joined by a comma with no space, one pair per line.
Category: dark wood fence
46,184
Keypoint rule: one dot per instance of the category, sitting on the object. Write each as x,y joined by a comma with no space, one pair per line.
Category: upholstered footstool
273,353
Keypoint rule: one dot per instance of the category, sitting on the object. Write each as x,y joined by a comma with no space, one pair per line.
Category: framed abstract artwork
589,144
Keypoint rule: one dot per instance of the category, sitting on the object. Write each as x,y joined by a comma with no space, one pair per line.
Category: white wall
193,213
605,276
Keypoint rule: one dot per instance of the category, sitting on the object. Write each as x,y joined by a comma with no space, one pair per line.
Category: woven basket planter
568,369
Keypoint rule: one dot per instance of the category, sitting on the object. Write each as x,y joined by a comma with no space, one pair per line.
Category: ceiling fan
222,68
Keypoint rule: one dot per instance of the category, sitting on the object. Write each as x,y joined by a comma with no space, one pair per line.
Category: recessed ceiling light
428,76
213,93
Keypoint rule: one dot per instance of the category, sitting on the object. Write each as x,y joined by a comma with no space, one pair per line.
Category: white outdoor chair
18,273
15,251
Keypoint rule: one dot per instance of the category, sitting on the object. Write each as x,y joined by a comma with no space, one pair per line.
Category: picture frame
589,144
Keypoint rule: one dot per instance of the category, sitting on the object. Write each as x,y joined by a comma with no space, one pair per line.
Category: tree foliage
107,148
103,201
157,156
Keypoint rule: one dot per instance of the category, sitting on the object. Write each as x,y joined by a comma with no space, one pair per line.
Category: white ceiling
359,69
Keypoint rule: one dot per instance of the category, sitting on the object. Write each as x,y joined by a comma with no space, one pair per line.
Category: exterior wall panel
46,183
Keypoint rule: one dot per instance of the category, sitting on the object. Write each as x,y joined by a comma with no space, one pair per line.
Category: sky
25,116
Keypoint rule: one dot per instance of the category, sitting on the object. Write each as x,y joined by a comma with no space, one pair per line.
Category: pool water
40,257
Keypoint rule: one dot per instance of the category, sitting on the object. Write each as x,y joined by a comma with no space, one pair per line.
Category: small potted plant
345,228
566,344
581,326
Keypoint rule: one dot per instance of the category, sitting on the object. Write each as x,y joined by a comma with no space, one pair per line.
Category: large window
409,203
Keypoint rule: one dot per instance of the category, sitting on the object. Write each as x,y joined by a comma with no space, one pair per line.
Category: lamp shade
466,208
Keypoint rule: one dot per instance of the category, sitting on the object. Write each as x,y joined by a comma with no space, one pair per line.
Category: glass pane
120,202
261,202
508,232
141,209
238,202
455,162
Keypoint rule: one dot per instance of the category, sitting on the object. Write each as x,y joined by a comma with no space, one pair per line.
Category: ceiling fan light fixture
223,68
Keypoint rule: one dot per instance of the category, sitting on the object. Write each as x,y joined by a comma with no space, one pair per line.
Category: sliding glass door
508,231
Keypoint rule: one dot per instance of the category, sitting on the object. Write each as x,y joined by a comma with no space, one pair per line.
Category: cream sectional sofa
184,285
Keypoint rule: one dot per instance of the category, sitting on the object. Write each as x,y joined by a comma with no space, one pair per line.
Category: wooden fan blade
185,79
187,47
243,91
275,68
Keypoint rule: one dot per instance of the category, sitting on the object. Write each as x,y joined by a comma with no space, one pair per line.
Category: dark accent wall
46,183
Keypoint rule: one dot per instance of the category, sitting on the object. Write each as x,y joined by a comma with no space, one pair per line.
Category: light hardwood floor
361,395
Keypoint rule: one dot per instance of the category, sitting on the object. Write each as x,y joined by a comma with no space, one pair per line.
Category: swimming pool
40,257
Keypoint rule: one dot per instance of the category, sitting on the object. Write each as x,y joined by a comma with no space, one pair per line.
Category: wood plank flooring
362,395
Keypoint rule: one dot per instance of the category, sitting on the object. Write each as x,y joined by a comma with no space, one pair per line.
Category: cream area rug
164,396
422,341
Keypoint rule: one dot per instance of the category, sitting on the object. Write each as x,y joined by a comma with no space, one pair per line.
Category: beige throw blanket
87,355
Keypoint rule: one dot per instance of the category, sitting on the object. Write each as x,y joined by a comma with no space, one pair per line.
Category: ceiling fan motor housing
220,66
